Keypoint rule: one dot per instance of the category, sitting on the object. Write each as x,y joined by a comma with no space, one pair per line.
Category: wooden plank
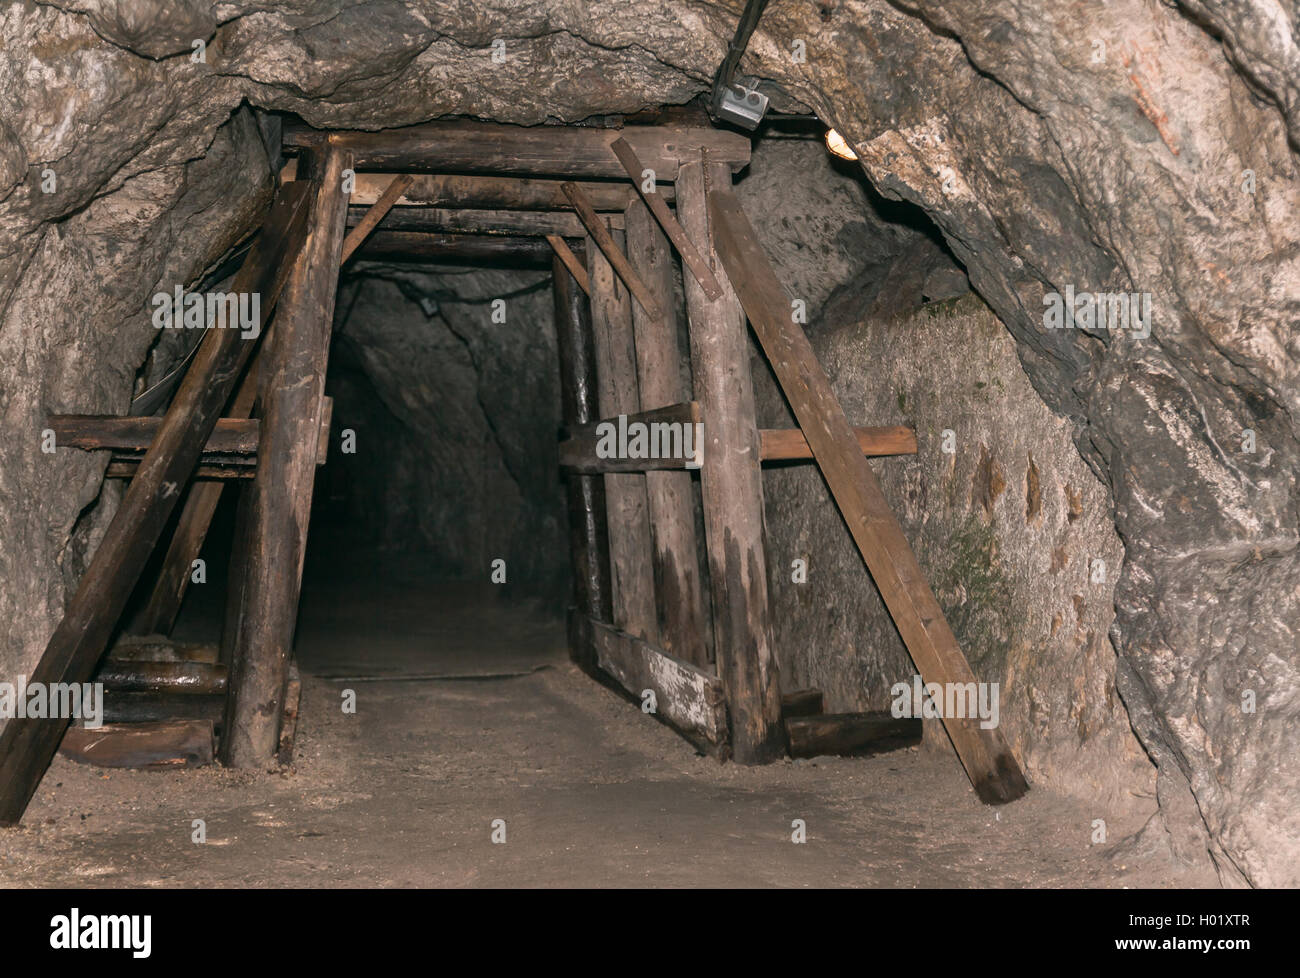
570,262
631,572
691,257
613,253
988,760
788,444
536,151
93,432
165,744
683,621
474,221
474,249
367,222
687,698
27,744
850,734
588,538
732,490
802,703
128,468
579,451
150,707
492,193
292,388
162,677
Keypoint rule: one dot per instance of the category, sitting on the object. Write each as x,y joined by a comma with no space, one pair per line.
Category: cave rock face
1133,148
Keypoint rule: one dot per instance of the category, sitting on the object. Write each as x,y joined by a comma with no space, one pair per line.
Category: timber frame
593,204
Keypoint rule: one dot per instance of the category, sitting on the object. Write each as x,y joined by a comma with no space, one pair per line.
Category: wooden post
683,622
27,744
588,539
631,570
292,382
731,482
984,753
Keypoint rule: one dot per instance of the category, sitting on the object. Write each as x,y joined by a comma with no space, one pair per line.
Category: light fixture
837,145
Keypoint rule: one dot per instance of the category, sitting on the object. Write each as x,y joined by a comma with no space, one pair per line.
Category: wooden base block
167,744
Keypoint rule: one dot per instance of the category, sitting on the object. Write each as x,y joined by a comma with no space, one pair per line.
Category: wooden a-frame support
642,612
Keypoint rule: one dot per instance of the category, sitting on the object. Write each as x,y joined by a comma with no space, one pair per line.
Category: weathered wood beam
367,221
494,193
201,500
570,262
802,703
292,382
790,444
128,468
289,718
850,734
121,706
165,744
987,757
683,621
420,246
578,452
691,257
588,538
461,146
27,744
504,223
92,432
628,523
613,253
687,698
162,677
731,483
158,648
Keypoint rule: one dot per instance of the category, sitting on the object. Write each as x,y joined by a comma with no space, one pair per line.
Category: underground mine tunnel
662,434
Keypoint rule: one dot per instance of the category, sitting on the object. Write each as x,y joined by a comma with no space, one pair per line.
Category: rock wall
1135,146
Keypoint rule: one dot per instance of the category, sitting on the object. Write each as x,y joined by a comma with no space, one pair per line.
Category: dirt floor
405,792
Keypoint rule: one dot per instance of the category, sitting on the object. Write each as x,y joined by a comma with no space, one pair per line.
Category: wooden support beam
491,193
683,621
476,249
127,468
588,538
802,703
92,432
158,648
732,489
149,707
578,451
534,151
159,615
691,257
687,698
667,425
292,383
630,546
367,222
570,262
537,224
289,718
790,444
988,760
27,744
613,253
165,744
162,677
850,734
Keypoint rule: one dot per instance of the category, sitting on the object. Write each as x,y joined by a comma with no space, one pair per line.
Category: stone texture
1131,146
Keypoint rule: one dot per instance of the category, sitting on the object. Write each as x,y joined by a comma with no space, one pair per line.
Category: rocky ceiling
1130,146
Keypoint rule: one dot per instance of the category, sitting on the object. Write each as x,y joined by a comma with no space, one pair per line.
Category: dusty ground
593,793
